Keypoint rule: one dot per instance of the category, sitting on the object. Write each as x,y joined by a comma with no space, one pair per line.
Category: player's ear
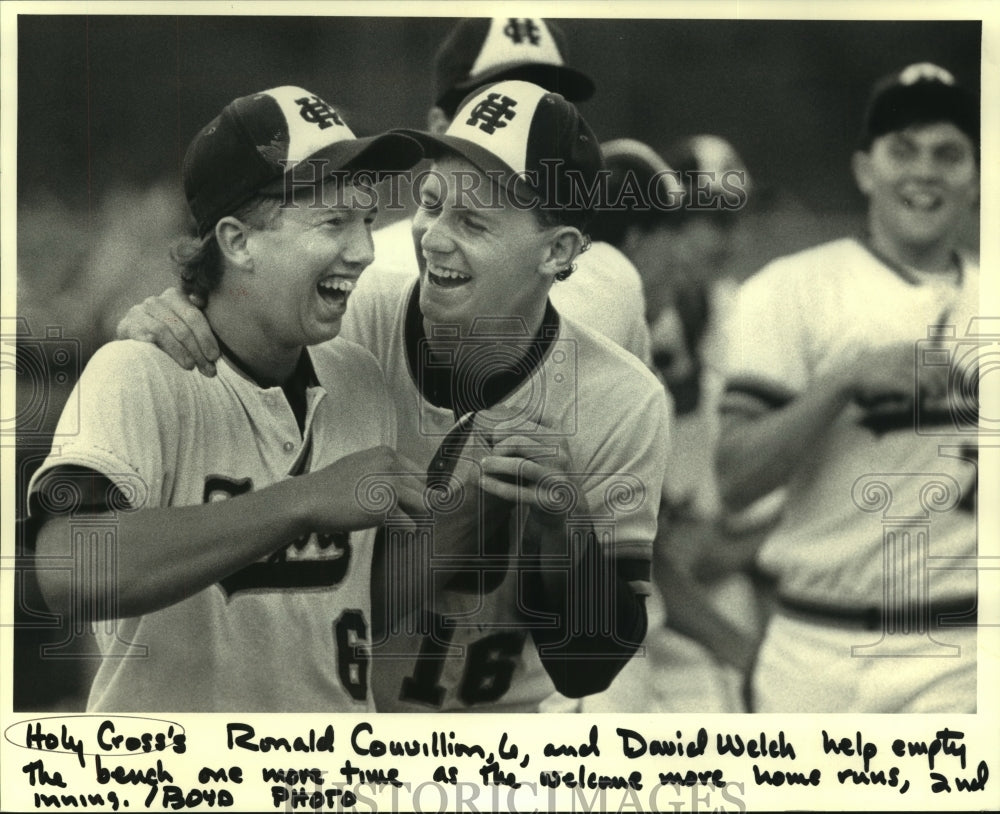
231,234
561,249
861,164
437,121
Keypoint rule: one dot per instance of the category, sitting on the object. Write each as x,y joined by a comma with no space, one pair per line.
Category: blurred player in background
677,227
489,379
827,396
239,572
605,292
690,347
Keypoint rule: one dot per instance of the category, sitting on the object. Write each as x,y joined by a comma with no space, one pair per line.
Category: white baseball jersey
285,633
604,293
875,471
691,480
607,415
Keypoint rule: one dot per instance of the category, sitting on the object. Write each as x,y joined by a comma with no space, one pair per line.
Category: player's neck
518,327
257,355
932,258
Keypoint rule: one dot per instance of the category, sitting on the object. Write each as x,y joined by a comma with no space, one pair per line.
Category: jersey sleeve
632,494
127,407
766,331
623,478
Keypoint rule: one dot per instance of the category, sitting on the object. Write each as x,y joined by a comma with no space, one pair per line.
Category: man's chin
324,333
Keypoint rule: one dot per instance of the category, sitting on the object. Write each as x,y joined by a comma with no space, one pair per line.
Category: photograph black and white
622,375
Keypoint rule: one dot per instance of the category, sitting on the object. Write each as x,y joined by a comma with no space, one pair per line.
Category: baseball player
238,576
828,396
700,642
604,292
483,369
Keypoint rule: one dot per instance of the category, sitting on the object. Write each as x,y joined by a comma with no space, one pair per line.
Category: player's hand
176,325
469,521
518,470
532,474
360,490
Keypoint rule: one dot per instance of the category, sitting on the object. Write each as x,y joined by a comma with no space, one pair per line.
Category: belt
943,613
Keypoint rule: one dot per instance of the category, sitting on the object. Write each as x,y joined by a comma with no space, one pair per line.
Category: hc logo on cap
315,111
522,31
491,112
925,72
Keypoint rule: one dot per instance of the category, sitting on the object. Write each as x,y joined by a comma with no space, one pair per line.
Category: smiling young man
475,343
238,573
605,292
492,382
830,395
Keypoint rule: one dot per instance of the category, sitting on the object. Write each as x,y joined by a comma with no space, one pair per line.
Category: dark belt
962,612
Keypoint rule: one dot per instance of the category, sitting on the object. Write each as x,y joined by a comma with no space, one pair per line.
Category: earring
562,275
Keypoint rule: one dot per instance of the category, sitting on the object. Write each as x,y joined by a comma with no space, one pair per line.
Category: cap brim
435,146
384,153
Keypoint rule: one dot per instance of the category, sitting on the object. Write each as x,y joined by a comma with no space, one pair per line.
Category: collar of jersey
903,271
295,388
444,385
302,377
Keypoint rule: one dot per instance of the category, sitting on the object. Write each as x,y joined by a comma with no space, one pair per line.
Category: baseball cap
711,158
273,141
481,50
656,183
921,93
641,188
531,141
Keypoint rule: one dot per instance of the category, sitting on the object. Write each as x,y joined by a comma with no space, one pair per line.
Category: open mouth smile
444,277
335,290
922,201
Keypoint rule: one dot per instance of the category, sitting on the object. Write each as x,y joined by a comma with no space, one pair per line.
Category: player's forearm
162,556
600,620
580,659
757,454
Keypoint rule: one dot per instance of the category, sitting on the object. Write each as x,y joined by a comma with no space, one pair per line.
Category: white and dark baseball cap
531,141
642,190
705,160
658,183
276,139
481,50
922,93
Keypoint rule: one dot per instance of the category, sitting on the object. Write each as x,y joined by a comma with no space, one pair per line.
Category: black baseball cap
922,93
642,190
274,140
480,50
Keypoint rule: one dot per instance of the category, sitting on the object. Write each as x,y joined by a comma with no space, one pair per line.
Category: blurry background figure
696,249
826,397
702,252
677,225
